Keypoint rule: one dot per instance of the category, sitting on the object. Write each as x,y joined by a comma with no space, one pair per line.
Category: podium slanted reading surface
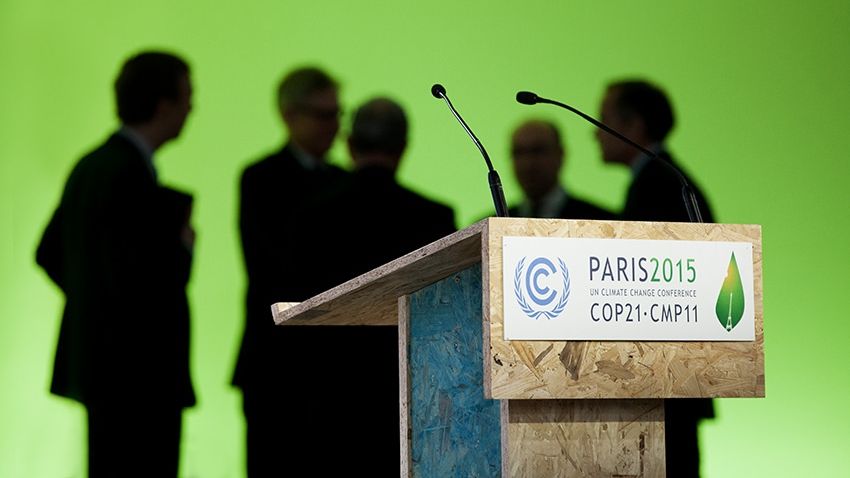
475,404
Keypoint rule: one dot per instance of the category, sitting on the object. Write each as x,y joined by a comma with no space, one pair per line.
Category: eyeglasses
319,113
535,150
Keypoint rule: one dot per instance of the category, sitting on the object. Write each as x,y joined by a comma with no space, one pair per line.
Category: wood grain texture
370,299
405,431
586,369
585,438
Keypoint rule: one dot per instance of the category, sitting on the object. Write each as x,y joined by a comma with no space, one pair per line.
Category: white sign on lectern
627,289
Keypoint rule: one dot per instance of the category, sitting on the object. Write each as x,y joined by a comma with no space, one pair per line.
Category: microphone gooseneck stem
469,132
688,196
492,176
694,214
598,124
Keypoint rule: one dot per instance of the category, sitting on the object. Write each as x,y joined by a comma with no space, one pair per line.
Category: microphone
688,197
438,91
496,191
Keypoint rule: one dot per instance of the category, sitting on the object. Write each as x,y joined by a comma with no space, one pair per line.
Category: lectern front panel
454,430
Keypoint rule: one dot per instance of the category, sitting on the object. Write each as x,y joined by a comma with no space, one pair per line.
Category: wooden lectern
474,404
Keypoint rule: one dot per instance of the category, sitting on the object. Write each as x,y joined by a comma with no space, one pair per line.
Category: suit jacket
372,221
655,194
380,220
114,247
574,208
276,245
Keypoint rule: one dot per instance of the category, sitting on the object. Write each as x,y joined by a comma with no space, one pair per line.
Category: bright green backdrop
761,89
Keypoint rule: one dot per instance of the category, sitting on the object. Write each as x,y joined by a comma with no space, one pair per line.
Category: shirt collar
305,159
550,205
642,159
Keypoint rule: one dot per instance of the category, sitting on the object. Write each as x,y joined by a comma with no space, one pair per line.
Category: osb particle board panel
581,369
371,299
585,438
454,430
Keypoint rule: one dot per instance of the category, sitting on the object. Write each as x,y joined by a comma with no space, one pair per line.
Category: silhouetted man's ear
636,129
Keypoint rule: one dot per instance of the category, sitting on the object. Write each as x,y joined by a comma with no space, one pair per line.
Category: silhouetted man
390,220
642,112
119,247
280,368
538,155
378,220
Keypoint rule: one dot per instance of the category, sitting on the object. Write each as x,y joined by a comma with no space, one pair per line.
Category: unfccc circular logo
547,291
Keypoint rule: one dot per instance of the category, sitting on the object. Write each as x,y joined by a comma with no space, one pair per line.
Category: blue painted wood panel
455,431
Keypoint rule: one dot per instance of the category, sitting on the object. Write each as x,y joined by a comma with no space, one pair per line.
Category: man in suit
280,368
390,219
379,220
119,247
642,112
538,156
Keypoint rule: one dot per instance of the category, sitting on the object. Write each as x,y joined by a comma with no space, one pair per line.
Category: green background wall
761,89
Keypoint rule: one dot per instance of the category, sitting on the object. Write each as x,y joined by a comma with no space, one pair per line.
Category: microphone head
527,98
438,91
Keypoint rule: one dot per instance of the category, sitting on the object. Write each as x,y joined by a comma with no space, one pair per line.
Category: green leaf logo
730,302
